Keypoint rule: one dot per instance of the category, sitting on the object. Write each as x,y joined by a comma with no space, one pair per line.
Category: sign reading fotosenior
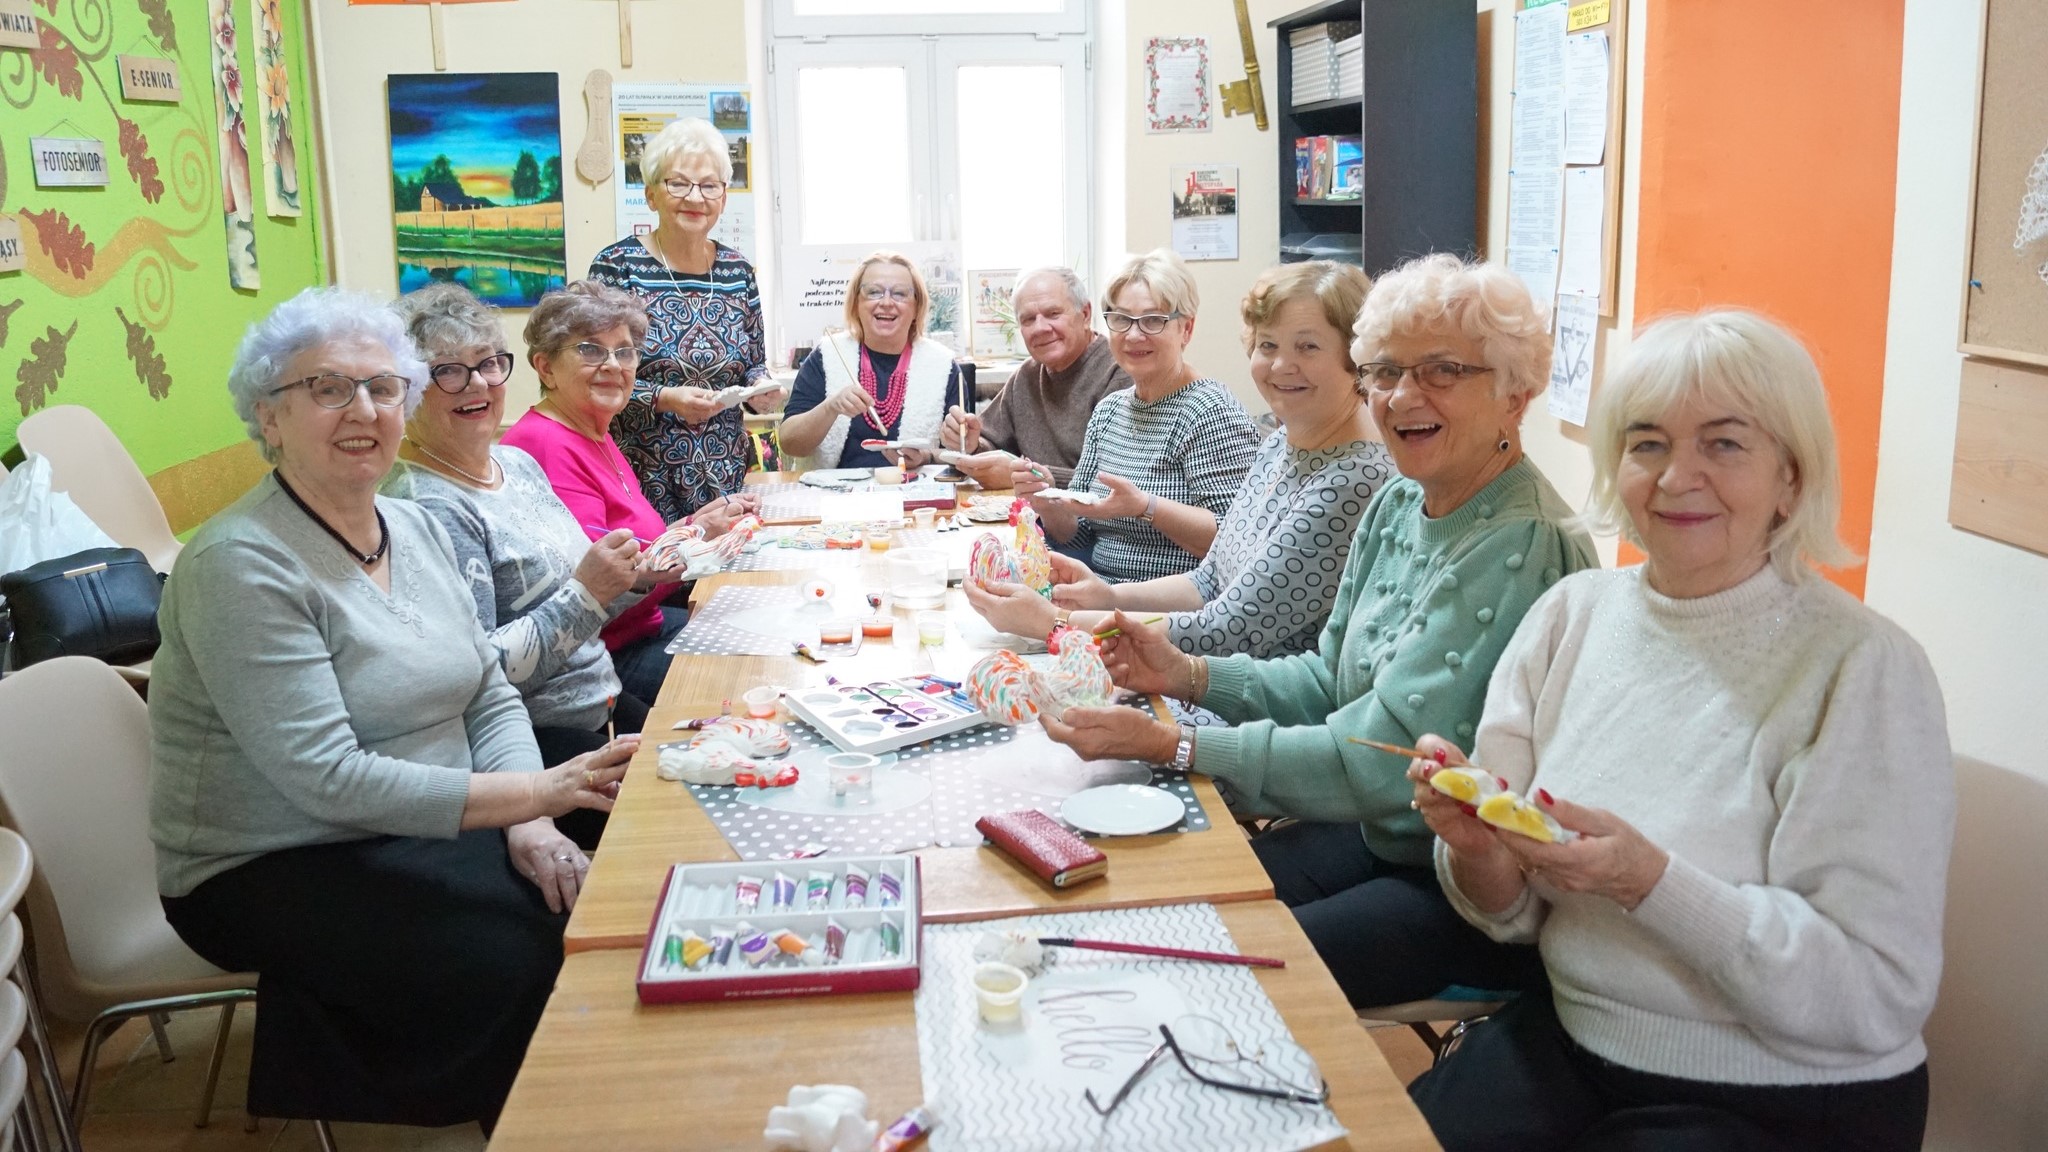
67,162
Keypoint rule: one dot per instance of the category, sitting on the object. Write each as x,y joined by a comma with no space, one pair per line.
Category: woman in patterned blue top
1266,585
703,333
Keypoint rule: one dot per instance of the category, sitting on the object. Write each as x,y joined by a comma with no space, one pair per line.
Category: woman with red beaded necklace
880,379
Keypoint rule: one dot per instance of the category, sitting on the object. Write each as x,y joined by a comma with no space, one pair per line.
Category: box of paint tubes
784,928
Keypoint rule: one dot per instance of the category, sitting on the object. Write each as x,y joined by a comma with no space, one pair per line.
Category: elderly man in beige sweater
1041,416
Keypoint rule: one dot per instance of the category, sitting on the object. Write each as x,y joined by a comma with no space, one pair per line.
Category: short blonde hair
688,136
1755,367
1162,273
1339,289
860,275
1470,299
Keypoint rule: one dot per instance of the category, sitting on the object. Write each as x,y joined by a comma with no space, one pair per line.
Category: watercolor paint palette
791,928
885,715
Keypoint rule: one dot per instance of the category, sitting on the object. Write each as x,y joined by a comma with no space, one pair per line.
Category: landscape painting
476,183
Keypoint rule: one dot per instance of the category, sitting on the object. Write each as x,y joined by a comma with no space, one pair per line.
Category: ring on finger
589,778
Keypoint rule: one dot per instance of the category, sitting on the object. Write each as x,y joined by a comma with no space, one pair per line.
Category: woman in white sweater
1744,938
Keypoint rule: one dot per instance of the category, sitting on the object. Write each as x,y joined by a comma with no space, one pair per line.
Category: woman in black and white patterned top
1266,585
1164,457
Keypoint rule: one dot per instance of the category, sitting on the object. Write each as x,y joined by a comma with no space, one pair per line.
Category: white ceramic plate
1122,809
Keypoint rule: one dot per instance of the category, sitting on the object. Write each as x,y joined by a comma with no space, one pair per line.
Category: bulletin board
2005,298
1610,17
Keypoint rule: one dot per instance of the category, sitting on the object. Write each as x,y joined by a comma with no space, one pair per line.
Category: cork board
2000,484
2005,302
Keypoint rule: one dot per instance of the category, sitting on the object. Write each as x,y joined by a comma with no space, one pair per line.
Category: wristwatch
1184,751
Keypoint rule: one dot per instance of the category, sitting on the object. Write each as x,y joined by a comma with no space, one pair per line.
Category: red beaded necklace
888,407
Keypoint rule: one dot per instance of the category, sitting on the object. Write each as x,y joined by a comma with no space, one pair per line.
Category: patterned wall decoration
125,304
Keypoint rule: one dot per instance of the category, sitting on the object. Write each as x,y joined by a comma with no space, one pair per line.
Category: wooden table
657,823
604,1072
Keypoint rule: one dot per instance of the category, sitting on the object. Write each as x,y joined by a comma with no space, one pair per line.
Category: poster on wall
1205,212
994,314
1571,361
238,210
476,183
641,111
274,98
1177,84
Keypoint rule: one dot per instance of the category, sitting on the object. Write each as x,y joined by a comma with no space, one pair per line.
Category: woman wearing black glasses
879,379
542,587
585,341
344,788
1166,457
687,443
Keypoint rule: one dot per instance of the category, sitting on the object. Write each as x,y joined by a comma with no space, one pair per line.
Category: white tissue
822,1118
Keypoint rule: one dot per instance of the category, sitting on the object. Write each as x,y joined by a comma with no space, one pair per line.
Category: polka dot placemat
971,774
716,626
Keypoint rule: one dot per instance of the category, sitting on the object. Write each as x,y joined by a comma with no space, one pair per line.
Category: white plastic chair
89,463
1987,1042
74,781
16,869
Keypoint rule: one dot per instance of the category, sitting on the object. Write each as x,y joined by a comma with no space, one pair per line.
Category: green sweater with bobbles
1425,609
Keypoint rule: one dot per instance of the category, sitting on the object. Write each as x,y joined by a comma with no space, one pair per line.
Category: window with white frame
962,124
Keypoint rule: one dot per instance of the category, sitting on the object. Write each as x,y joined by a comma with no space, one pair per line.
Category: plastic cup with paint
838,630
850,773
999,992
761,701
924,518
878,539
878,627
931,629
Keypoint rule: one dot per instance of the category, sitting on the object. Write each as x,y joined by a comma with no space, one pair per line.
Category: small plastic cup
761,701
850,773
931,629
878,627
999,992
924,518
878,540
838,630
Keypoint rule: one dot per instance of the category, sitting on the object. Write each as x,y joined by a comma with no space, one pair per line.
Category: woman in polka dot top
1448,558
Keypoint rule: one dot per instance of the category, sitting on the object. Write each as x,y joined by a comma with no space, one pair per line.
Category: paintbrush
609,735
1170,953
1106,633
1404,750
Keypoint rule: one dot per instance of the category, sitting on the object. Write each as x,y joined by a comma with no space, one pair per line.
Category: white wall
1976,605
691,41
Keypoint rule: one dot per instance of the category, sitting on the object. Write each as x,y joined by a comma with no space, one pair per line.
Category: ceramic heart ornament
991,562
1000,686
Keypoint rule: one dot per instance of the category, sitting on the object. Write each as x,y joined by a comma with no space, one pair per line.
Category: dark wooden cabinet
1418,129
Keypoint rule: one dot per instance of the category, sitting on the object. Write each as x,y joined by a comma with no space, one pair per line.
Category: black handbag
100,602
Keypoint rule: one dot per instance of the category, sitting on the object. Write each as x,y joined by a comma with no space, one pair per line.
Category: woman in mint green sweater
1447,560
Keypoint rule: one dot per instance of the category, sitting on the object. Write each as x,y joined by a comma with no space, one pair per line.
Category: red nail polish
1503,782
1440,756
1543,794
1469,810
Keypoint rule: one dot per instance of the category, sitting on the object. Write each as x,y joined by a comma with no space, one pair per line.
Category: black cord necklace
366,559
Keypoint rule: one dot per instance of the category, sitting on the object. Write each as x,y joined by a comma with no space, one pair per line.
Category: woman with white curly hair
1448,557
345,791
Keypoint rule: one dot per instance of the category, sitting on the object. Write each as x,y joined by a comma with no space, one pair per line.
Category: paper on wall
1580,267
1571,361
1585,92
639,111
1534,200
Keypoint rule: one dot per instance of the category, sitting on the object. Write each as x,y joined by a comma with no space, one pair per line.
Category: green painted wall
161,265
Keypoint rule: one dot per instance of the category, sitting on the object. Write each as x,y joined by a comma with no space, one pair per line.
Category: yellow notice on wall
1590,15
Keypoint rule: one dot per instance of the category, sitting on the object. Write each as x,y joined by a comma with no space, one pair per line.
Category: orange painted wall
1769,161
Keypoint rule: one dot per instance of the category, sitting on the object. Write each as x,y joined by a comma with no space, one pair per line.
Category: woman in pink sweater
584,341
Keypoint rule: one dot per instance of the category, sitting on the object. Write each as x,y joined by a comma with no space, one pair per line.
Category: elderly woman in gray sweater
345,793
1744,937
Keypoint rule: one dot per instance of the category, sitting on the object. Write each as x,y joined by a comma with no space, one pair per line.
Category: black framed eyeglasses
1206,1050
708,189
452,376
333,390
1151,323
1433,375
